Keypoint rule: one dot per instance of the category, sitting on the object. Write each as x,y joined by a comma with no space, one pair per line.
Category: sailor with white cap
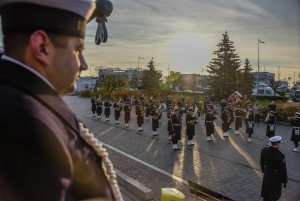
45,152
295,122
273,166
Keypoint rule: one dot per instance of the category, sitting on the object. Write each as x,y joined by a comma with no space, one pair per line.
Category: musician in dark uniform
231,111
181,104
148,110
107,106
99,108
169,115
295,122
270,121
176,128
94,107
238,113
249,122
226,119
118,108
209,124
44,155
127,110
139,111
155,113
273,166
272,106
190,125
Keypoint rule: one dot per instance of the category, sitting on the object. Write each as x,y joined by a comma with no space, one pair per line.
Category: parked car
282,88
263,90
296,96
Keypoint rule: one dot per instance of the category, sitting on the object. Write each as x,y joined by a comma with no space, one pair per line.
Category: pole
258,55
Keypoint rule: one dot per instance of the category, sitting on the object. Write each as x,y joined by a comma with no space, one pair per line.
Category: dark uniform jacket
99,107
139,111
270,126
272,163
42,156
156,114
93,101
107,108
226,119
118,108
127,110
209,124
238,113
176,126
190,125
249,122
296,129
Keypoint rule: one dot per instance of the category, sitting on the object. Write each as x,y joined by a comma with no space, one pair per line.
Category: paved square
227,166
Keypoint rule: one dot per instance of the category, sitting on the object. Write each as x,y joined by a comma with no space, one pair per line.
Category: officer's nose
83,64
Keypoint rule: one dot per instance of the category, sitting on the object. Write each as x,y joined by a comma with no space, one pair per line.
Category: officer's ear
40,46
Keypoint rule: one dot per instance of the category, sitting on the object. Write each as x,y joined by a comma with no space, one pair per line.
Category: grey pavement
227,166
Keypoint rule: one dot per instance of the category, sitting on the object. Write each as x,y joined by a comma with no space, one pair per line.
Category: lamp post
139,61
258,42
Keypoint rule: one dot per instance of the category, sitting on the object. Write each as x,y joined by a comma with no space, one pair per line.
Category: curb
134,187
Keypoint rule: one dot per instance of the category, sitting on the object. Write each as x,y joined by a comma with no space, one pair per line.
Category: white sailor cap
275,139
68,17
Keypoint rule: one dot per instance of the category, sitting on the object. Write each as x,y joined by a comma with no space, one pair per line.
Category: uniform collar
27,81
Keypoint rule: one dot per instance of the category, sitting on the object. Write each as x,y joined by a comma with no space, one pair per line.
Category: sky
181,35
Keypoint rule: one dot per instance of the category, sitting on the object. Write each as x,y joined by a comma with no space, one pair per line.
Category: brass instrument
157,114
292,118
227,113
195,111
267,117
118,108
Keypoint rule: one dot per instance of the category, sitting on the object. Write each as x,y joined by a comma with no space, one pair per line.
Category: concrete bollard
171,194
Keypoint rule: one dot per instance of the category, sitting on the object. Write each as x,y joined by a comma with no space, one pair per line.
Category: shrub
284,110
270,98
87,93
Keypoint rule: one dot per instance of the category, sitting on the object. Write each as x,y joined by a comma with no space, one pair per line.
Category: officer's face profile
276,144
67,63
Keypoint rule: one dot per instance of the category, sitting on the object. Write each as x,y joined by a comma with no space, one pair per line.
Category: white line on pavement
147,164
105,131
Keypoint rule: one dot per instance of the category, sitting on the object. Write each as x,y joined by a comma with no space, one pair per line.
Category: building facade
133,75
85,83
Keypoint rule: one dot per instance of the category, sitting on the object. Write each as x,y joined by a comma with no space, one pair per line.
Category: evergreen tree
151,77
224,69
246,85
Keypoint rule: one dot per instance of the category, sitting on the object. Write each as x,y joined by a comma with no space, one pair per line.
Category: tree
224,69
151,78
134,83
246,81
110,83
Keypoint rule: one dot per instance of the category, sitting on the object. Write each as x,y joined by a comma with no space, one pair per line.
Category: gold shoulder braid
107,164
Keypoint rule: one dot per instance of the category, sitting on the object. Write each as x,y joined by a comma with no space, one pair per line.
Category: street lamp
258,42
139,61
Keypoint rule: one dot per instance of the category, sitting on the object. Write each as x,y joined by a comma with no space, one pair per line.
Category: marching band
230,111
